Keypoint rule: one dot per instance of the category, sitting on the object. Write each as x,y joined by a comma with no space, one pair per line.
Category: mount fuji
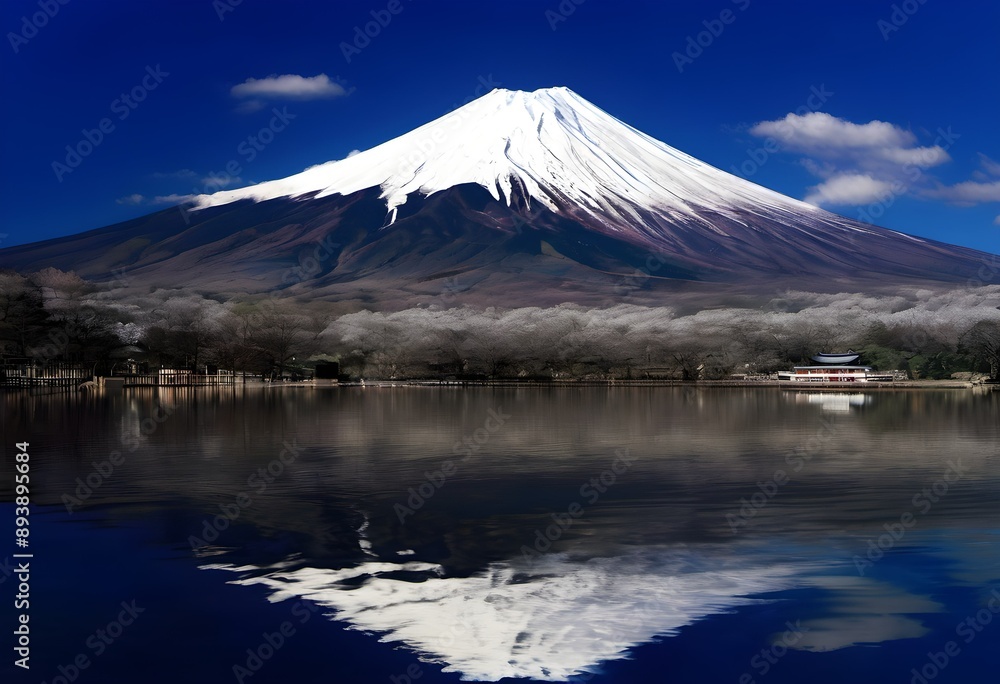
515,199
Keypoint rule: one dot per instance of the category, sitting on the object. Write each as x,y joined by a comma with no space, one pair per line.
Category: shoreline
704,384
841,387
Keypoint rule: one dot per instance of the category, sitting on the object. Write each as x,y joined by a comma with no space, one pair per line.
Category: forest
56,317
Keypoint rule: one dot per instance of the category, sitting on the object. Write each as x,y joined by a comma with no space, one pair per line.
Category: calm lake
408,534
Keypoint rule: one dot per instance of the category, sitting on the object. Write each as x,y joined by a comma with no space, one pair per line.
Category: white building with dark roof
835,368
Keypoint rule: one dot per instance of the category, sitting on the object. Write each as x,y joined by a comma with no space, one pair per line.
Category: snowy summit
561,149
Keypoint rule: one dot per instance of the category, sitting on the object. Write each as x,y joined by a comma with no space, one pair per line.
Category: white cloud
848,188
290,86
819,131
924,157
869,145
969,192
352,153
131,200
996,221
859,163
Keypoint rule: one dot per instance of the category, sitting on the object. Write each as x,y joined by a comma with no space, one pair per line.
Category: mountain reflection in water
515,558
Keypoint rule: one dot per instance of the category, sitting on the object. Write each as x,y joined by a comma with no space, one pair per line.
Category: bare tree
982,343
281,336
22,314
234,346
191,329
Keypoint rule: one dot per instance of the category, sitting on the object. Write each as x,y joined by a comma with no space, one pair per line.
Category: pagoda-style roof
837,359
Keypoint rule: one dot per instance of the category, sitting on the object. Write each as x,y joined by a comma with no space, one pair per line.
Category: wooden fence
180,378
68,376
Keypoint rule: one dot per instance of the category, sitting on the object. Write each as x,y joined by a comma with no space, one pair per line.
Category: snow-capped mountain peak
515,198
561,149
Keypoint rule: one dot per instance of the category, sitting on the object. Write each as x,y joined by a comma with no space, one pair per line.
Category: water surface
593,534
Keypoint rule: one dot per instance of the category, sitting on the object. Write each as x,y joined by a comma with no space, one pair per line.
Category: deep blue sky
936,72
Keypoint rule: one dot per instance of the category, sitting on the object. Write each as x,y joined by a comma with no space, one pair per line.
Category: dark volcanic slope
461,245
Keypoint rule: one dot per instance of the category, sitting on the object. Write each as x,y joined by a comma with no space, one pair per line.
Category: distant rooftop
837,359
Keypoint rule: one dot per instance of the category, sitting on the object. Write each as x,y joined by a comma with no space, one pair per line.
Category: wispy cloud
250,106
141,200
172,199
289,86
210,183
220,181
182,174
986,187
989,166
968,192
134,199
